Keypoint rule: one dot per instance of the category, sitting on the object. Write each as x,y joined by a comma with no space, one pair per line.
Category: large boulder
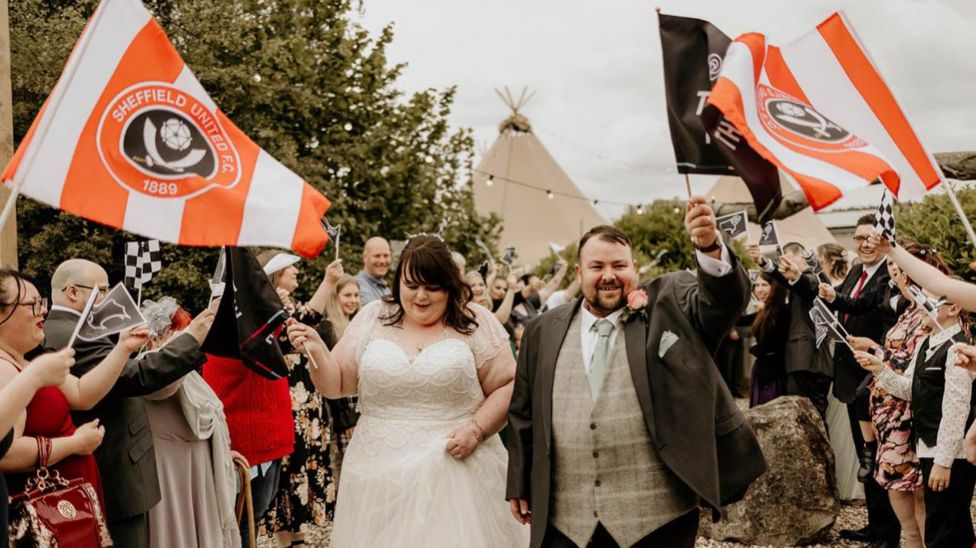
795,501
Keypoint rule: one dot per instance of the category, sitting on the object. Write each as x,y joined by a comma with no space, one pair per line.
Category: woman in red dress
22,311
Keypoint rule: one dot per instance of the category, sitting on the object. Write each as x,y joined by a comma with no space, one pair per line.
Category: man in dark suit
870,276
808,368
126,459
620,422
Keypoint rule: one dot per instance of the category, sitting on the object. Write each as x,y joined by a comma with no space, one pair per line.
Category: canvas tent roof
531,220
804,226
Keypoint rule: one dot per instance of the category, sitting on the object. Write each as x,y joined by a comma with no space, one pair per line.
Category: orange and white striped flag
819,109
130,139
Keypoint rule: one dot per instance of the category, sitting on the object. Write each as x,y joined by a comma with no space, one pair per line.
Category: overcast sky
596,71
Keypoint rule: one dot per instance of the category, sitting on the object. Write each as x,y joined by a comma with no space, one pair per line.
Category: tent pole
959,211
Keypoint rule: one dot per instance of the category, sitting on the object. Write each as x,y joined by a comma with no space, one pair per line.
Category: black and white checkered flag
884,219
142,262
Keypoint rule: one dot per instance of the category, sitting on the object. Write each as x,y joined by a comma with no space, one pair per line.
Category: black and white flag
509,256
810,256
334,232
115,313
884,218
930,305
142,262
826,324
704,141
734,224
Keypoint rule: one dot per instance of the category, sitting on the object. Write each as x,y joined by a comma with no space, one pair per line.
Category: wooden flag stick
311,359
688,184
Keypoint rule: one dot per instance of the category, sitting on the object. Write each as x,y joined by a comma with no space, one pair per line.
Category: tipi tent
514,180
804,226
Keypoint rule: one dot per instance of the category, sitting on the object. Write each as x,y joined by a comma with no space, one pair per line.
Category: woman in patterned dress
896,465
307,489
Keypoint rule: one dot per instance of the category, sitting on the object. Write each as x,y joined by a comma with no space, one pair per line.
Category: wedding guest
771,330
502,292
341,306
896,466
479,295
18,390
833,260
850,381
434,375
376,264
48,415
196,472
126,457
941,398
306,490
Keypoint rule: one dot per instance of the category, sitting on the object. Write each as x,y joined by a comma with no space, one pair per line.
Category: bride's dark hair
426,261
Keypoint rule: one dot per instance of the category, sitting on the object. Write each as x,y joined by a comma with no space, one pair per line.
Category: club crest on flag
160,141
794,122
115,313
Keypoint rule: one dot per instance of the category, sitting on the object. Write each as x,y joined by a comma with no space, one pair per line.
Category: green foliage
934,221
312,88
659,232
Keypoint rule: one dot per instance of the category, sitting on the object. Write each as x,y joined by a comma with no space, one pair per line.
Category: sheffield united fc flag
130,139
819,109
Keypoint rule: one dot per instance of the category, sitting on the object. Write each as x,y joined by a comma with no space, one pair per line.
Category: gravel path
851,517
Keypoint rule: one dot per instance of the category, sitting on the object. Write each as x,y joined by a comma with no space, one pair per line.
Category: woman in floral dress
307,489
896,465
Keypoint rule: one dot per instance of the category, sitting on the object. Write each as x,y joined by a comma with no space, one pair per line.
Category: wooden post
8,233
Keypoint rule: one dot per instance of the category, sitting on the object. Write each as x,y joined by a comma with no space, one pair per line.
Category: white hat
280,261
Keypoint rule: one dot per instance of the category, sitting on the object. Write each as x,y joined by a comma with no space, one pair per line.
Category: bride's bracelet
479,432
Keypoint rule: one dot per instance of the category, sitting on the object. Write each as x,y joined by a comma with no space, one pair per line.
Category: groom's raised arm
520,418
718,297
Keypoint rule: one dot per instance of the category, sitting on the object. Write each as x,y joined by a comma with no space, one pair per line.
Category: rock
795,501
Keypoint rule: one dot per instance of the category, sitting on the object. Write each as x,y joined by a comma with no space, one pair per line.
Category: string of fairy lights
551,194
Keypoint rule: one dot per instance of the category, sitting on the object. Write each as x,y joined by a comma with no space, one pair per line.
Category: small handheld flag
827,325
810,256
734,224
929,305
334,231
142,262
884,218
117,312
509,256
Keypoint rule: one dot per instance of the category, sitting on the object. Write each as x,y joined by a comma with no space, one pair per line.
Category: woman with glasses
48,417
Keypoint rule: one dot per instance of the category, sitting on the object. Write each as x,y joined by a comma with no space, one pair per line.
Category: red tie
857,290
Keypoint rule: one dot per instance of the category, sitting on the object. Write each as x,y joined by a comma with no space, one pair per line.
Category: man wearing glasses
850,385
126,458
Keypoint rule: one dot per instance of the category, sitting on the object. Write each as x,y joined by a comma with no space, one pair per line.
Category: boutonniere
636,305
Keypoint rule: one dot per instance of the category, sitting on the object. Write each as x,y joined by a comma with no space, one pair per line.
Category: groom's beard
605,304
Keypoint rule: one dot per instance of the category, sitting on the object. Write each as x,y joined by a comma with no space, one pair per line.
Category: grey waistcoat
605,468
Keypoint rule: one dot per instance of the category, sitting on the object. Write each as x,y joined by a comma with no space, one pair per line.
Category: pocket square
667,340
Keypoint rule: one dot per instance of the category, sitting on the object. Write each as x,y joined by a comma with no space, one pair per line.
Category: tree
934,221
312,88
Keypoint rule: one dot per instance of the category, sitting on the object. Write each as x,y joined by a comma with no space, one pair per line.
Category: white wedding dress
399,487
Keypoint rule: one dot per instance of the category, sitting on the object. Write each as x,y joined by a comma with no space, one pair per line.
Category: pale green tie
600,360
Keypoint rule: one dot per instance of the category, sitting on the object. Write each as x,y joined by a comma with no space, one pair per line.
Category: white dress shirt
955,400
588,336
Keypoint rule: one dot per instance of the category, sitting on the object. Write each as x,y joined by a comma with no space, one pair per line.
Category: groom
620,422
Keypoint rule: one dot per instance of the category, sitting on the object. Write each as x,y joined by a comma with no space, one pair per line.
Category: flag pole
688,185
8,228
959,211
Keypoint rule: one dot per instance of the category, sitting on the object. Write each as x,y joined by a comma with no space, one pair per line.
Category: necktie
857,290
600,360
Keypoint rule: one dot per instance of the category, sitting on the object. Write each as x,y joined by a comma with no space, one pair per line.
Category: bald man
126,459
376,265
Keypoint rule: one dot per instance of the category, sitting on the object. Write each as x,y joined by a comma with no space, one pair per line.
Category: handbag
53,512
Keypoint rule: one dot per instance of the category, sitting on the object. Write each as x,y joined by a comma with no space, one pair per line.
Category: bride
434,377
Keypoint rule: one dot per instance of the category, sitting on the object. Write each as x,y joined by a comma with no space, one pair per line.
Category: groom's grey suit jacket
698,431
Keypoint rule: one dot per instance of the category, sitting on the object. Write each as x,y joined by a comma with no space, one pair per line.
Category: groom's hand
700,224
520,509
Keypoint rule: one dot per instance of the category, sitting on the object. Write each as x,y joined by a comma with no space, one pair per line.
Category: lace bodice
440,383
